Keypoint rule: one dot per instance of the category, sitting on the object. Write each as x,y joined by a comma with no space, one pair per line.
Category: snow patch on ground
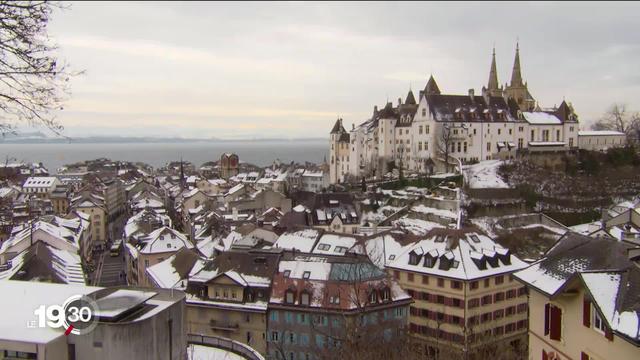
484,175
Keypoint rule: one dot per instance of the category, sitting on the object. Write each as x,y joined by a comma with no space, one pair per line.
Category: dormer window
289,297
340,249
429,261
414,258
385,294
304,298
373,297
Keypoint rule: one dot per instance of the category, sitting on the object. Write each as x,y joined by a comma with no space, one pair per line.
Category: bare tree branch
33,83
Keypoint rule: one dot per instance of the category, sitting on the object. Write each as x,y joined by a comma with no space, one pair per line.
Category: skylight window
324,247
475,238
287,273
306,274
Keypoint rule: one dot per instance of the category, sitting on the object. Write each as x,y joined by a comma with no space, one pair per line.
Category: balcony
222,325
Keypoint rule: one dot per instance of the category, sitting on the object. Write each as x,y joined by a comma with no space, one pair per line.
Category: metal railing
225,344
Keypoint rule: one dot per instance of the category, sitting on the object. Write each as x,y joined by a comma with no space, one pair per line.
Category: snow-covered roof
334,244
39,182
546,143
416,226
600,133
615,295
60,237
463,256
164,240
439,212
301,240
572,254
171,272
541,118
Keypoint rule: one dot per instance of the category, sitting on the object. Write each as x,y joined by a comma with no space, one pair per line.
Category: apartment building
228,296
466,300
40,186
321,305
583,301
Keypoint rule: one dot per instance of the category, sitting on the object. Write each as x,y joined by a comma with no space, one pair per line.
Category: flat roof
21,298
120,301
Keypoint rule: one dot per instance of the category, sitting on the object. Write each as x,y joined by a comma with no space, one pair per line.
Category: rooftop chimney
234,214
399,101
471,94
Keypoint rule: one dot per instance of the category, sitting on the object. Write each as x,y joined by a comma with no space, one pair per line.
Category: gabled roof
252,268
164,240
42,262
616,295
571,255
168,273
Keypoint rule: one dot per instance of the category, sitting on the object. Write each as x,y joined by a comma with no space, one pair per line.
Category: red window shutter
546,319
608,333
544,355
584,356
586,312
556,323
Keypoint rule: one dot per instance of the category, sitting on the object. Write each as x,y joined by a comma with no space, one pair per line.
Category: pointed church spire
516,74
493,75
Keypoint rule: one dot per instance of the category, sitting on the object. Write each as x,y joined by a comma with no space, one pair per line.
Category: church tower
493,88
518,89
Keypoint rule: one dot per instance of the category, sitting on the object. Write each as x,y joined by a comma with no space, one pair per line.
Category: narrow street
110,269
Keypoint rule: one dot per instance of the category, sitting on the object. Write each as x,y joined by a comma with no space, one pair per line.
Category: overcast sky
244,70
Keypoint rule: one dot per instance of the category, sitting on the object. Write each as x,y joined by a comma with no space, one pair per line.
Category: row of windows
303,339
437,316
436,299
497,314
497,297
455,284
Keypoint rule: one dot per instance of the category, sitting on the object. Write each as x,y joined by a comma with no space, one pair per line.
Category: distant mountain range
38,137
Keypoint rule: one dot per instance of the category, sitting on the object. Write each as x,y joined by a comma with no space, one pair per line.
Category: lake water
260,153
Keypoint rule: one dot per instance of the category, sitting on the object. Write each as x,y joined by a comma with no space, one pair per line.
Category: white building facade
413,134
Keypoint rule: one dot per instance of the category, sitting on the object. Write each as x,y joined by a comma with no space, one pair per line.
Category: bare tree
33,82
444,141
618,118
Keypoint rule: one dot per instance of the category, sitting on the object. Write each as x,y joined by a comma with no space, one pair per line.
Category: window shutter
544,355
586,312
584,356
608,333
556,322
546,319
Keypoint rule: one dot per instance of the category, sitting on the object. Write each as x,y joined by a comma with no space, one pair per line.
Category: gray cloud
288,69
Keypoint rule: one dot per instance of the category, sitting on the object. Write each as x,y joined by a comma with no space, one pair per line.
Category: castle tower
493,88
517,89
432,87
339,152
